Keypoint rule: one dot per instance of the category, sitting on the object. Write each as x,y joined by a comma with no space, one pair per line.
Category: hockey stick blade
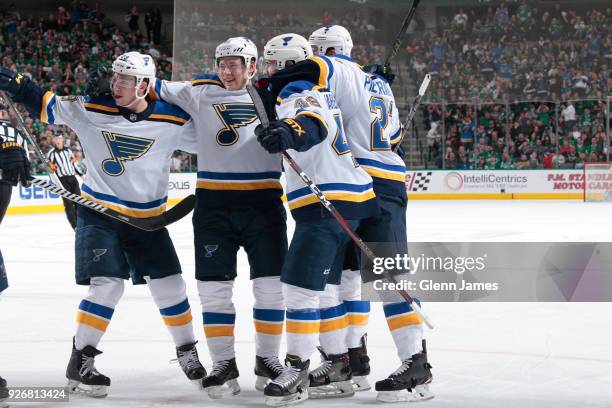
263,117
177,212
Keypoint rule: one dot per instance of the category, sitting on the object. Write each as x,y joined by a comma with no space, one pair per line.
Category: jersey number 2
379,140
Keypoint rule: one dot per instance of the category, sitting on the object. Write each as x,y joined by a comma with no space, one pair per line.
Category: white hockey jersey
127,158
330,164
371,120
233,168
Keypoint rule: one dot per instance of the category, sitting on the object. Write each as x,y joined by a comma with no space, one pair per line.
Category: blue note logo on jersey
233,116
122,148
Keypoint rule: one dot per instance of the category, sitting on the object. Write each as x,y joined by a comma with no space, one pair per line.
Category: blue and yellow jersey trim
354,193
104,105
46,111
397,136
131,208
165,112
207,79
382,170
326,71
209,180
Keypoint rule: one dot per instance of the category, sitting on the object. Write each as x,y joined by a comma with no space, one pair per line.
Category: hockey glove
278,137
99,82
380,70
11,81
14,164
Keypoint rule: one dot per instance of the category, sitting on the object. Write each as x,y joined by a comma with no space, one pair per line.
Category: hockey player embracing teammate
371,120
238,205
310,129
128,141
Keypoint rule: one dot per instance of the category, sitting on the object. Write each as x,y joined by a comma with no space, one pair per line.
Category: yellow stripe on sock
219,331
403,321
181,320
333,325
358,319
269,328
92,321
294,327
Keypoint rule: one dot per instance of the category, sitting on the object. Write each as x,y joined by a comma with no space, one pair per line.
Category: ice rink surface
484,354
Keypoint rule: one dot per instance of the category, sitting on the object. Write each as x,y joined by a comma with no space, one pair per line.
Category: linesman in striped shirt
63,162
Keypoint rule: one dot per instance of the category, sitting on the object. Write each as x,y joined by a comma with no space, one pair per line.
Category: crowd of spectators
517,136
59,52
503,73
523,52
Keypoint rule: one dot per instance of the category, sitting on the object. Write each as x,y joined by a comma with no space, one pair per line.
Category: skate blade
419,393
361,383
230,387
340,389
261,382
294,399
92,391
197,384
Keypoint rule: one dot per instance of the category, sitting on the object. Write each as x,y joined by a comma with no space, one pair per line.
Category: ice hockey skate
332,379
187,357
3,393
291,387
266,369
222,380
83,377
360,366
413,376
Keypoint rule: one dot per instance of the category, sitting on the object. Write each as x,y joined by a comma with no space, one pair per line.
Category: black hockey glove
11,81
380,70
278,137
14,164
99,82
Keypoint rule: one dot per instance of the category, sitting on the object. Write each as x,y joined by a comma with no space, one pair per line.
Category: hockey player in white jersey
310,130
372,122
128,141
238,205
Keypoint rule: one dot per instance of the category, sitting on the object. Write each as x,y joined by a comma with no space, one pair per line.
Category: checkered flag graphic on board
421,181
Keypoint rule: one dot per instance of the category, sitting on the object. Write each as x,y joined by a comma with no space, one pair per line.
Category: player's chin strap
137,98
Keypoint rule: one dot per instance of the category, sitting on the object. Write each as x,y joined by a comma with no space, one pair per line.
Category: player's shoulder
166,112
104,104
207,80
299,87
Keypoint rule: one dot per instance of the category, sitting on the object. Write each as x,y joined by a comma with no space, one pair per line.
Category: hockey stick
156,222
263,118
400,36
413,109
30,139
